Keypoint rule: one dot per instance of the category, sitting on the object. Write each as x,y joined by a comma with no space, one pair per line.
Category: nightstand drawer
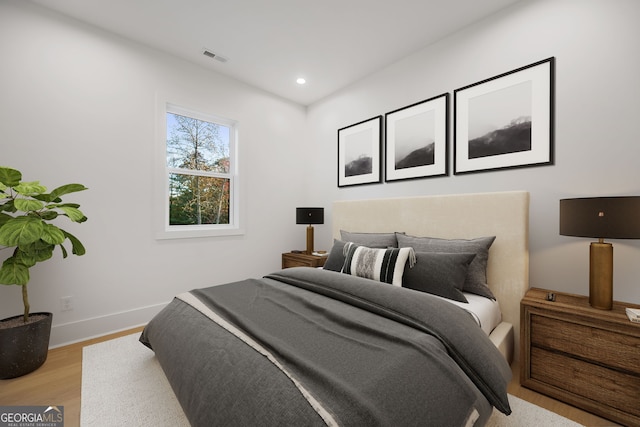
581,355
586,342
290,263
291,259
597,385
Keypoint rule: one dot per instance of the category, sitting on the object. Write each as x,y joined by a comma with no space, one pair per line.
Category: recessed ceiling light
301,81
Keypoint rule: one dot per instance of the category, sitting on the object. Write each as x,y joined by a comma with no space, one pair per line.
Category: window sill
191,232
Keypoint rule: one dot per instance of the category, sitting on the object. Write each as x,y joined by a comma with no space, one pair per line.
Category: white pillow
382,265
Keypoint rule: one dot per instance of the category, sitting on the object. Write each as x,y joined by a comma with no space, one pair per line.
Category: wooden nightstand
580,355
290,259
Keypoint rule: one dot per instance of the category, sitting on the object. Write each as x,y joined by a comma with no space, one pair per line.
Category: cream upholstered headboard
462,216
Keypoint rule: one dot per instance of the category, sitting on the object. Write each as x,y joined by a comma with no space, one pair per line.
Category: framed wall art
417,140
360,153
506,121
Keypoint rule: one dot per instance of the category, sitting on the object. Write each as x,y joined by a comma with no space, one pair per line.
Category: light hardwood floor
58,382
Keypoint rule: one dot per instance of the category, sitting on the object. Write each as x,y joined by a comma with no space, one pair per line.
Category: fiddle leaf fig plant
26,213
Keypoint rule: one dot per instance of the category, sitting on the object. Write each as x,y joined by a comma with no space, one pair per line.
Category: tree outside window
199,171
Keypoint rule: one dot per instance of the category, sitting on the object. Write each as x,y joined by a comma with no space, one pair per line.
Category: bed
307,346
461,216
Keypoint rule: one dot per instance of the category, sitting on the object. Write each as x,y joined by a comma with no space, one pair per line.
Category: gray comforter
312,347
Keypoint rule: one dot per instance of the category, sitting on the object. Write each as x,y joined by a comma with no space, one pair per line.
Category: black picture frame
506,121
417,140
360,153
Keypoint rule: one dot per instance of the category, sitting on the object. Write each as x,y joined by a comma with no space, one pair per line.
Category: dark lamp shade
601,217
309,215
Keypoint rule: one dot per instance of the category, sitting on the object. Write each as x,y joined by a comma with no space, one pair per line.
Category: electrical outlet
66,303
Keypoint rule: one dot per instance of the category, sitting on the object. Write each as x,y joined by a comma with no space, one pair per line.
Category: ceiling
270,43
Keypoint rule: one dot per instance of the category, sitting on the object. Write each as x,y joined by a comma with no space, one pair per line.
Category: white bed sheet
486,311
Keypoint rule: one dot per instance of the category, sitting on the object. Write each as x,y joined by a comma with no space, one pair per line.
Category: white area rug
123,385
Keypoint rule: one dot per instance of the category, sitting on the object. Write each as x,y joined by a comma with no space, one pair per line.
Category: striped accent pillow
382,265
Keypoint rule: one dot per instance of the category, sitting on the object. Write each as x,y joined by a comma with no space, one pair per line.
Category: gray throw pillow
371,240
335,259
476,280
439,273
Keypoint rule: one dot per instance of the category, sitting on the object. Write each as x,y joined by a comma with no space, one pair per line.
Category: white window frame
163,229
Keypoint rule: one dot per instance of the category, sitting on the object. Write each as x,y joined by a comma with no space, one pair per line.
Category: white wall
595,43
78,105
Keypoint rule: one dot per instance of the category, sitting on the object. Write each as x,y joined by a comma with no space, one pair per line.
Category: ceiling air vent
213,55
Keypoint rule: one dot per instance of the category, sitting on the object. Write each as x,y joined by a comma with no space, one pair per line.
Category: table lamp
309,216
601,217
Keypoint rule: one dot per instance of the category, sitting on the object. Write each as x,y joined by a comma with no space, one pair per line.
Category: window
200,179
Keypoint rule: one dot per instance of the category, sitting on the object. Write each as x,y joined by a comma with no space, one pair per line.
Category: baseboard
81,330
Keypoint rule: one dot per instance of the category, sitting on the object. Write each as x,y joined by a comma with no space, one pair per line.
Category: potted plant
26,213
